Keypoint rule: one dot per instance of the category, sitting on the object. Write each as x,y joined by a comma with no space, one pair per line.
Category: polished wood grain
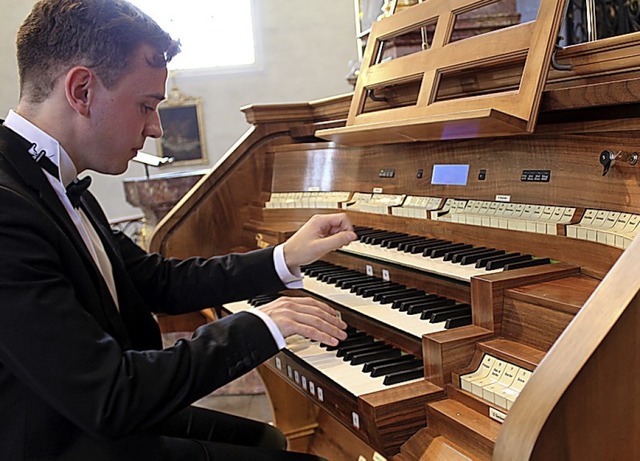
580,403
584,357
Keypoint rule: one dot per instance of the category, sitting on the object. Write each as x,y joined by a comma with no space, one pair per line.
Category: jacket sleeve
175,286
53,339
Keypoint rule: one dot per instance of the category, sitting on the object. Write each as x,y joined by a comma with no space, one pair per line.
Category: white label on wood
497,415
355,420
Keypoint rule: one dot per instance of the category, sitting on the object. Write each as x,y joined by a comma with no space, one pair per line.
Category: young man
82,373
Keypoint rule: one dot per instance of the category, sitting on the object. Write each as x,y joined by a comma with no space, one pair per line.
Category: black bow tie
75,189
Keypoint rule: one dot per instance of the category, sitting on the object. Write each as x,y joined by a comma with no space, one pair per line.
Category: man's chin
113,170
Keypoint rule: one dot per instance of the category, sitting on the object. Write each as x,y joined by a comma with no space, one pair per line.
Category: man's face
122,118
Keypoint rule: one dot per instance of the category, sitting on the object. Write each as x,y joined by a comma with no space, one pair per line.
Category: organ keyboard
361,362
546,311
443,257
379,366
407,309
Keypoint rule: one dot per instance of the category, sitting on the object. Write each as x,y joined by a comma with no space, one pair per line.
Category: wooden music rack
451,89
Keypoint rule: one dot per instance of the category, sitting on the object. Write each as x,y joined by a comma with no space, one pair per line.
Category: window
213,33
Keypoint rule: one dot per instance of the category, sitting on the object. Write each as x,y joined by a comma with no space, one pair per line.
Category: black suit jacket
78,379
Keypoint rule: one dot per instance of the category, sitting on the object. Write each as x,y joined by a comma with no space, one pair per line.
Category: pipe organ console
493,310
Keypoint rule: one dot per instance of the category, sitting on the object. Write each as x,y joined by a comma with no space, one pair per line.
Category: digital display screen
450,175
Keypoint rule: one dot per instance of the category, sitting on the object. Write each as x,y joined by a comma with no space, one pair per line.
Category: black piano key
359,359
437,317
346,276
369,292
375,238
396,242
361,231
373,281
334,279
374,363
385,242
429,311
530,263
342,349
441,251
473,259
500,263
419,308
382,370
317,271
356,345
350,281
364,238
353,336
337,276
360,289
408,246
403,305
402,376
460,321
409,292
366,231
306,267
457,257
348,284
324,276
448,256
482,262
435,245
352,341
395,291
376,347
419,249
261,300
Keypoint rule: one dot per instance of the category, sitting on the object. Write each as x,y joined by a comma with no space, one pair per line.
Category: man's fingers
318,236
314,328
307,317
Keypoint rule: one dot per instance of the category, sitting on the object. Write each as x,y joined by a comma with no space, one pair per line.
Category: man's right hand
307,317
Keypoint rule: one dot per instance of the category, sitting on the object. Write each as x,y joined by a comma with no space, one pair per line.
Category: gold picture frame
183,137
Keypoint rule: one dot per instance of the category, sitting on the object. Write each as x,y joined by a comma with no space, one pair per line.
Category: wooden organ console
495,316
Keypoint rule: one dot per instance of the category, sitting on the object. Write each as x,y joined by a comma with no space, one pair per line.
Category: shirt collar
44,144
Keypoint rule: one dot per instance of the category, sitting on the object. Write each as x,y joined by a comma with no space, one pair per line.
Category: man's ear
79,85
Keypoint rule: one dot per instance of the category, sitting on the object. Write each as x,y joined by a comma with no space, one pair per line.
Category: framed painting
183,137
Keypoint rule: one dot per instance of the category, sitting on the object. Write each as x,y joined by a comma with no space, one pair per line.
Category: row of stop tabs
496,381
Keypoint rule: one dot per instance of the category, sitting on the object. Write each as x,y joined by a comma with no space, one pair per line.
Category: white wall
306,46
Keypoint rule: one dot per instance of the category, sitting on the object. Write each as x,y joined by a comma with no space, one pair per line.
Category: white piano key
348,376
417,261
411,324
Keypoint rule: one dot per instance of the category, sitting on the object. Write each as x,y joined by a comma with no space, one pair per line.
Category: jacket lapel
15,149
142,327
